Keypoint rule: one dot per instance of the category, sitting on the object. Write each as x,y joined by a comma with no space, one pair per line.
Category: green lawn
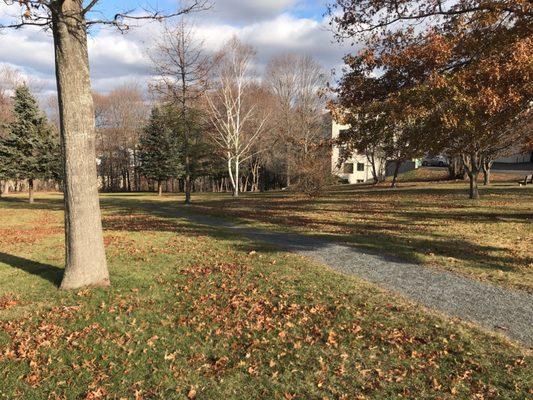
432,223
194,312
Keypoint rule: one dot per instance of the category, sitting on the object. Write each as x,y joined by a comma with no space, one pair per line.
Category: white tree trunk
236,187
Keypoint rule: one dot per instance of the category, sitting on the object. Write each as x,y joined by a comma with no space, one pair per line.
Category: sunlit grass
196,313
431,223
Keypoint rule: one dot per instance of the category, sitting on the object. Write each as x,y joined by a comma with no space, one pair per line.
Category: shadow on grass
45,271
387,247
21,203
367,238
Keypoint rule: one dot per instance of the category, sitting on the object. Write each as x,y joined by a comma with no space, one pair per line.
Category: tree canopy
458,75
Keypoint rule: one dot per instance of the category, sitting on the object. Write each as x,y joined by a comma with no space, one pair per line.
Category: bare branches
122,21
40,12
231,114
89,7
182,65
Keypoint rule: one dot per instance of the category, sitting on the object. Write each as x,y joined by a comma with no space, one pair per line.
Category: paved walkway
501,310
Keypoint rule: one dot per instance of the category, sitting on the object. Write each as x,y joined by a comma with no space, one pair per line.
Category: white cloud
250,10
117,59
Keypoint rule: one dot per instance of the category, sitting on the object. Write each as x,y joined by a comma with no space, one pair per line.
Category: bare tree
296,82
231,111
281,76
69,20
10,79
183,69
120,116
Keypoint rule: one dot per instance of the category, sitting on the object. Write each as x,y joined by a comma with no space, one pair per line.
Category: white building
355,168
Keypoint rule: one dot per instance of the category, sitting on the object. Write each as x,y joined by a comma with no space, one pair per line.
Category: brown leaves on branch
459,85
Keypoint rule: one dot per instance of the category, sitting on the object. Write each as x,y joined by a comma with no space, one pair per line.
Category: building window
360,181
348,168
360,167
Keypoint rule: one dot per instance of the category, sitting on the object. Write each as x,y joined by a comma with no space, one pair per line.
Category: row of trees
213,124
436,78
210,123
261,128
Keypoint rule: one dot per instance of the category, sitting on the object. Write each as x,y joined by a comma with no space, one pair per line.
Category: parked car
435,161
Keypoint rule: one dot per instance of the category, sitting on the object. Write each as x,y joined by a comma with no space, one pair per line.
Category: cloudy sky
272,26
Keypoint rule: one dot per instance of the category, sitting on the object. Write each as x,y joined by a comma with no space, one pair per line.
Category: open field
193,313
433,223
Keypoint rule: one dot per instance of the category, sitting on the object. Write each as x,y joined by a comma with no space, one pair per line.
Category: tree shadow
45,271
370,240
20,203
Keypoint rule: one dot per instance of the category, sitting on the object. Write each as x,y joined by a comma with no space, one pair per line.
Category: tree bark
474,190
31,200
486,177
472,167
187,186
372,160
86,263
288,167
237,178
5,188
159,188
486,166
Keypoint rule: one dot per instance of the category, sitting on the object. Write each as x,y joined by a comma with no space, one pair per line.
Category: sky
273,27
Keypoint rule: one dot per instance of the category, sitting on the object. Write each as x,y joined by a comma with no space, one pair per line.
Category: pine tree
30,150
160,148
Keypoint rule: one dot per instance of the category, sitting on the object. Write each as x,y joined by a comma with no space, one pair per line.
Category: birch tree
231,110
69,20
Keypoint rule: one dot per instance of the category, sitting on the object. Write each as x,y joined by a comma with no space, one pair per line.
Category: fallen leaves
8,301
203,319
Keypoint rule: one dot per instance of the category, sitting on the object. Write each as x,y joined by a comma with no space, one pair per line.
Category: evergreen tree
29,150
160,155
190,131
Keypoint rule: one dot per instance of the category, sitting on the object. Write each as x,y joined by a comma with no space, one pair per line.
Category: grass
195,313
424,221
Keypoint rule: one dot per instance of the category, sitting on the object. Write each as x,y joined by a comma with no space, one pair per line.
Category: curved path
498,309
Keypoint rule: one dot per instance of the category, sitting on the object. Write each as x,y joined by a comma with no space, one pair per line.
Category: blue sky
273,27
313,9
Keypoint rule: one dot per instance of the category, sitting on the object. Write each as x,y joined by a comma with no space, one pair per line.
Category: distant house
353,168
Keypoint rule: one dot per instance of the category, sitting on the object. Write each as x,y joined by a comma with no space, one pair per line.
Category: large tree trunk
30,191
85,254
159,188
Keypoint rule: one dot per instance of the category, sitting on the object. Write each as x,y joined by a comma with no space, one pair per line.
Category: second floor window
360,167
